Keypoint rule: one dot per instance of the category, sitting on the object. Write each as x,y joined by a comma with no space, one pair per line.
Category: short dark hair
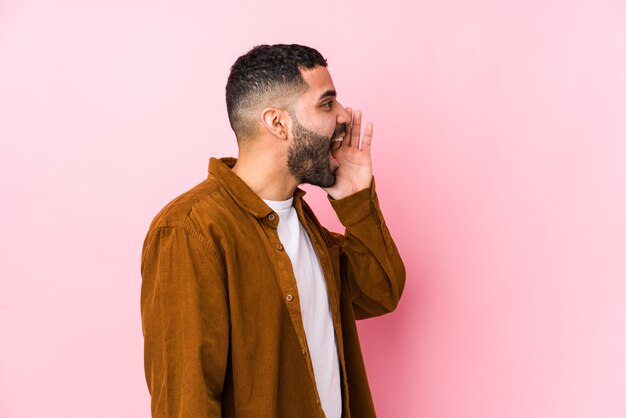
262,71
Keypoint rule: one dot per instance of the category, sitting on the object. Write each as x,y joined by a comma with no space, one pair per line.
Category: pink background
499,151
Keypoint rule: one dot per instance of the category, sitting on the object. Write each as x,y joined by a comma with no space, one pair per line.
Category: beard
308,157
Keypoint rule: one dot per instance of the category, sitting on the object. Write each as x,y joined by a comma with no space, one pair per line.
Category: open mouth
336,142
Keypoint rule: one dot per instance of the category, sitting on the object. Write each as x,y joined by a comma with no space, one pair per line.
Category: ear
275,121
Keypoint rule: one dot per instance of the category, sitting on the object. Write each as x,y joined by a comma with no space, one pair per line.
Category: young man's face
317,121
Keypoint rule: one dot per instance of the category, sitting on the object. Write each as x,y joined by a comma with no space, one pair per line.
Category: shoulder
197,210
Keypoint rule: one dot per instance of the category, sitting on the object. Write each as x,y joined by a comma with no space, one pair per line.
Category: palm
355,164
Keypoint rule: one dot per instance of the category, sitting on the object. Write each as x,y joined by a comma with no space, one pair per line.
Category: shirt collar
239,190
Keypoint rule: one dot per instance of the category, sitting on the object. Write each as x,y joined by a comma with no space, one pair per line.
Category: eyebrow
328,93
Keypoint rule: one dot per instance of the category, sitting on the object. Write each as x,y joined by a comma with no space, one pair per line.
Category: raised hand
353,155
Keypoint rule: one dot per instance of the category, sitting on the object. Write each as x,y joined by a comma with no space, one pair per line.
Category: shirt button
279,247
271,217
289,297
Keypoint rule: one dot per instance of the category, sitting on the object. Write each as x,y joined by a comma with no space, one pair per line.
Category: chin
328,181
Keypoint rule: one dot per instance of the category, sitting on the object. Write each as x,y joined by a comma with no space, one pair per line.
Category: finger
346,137
355,135
366,144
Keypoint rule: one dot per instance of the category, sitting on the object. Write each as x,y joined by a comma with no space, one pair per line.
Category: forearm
375,270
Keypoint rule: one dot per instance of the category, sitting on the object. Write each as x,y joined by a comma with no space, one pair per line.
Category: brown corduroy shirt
220,309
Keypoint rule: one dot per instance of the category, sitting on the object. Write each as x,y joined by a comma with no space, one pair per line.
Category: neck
266,174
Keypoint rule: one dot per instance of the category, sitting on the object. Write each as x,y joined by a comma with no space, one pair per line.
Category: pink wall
500,154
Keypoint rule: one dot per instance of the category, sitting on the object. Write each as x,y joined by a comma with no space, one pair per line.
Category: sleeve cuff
352,209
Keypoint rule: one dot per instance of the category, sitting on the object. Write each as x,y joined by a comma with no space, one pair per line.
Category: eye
328,105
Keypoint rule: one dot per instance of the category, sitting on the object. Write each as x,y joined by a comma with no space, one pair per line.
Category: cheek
317,124
328,127
321,123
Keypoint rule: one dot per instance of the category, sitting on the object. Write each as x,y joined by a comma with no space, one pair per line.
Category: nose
343,117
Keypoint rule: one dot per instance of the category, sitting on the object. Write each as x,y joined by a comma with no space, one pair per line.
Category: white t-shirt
316,316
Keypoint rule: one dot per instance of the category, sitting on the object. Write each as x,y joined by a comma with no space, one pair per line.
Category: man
248,304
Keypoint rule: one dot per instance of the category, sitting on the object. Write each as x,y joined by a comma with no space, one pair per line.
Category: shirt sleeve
373,267
185,321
